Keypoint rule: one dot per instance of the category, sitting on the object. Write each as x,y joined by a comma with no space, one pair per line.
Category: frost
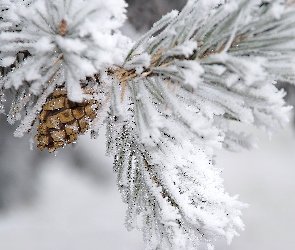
186,49
168,100
191,72
178,107
191,189
70,45
218,69
7,61
277,10
59,38
60,32
139,63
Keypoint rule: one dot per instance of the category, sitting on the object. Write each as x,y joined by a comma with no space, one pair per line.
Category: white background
73,211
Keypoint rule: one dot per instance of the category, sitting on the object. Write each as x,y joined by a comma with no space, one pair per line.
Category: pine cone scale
61,120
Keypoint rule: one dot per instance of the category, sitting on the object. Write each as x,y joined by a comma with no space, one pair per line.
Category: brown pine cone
62,120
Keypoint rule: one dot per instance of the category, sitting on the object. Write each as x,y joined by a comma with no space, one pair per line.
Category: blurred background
70,200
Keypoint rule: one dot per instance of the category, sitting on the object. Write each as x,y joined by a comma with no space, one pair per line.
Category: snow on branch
69,39
174,189
204,59
167,105
181,87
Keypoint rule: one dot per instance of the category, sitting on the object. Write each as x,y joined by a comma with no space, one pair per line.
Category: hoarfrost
167,106
71,38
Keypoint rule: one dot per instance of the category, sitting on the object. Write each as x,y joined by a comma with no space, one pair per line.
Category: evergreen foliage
167,105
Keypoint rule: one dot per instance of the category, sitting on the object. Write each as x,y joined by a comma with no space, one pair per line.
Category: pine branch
62,46
182,84
155,184
167,106
241,76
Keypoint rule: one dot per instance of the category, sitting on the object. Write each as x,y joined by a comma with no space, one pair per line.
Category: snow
73,212
65,34
277,10
187,48
5,62
139,62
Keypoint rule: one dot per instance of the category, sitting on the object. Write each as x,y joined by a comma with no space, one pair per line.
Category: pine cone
62,120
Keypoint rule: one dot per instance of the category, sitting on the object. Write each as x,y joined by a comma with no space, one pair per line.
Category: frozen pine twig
183,87
166,106
59,38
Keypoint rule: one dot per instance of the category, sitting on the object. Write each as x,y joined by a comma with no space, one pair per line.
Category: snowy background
71,201
82,209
